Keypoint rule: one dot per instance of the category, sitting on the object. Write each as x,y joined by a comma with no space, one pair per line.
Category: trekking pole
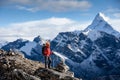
53,60
53,63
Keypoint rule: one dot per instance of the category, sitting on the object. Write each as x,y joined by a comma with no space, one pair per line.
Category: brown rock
62,67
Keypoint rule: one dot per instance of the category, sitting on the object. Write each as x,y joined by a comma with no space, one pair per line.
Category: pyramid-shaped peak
100,24
37,39
101,16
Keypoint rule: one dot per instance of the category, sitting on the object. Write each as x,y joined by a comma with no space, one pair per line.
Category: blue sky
18,18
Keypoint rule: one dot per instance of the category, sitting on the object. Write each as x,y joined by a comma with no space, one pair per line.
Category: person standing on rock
46,51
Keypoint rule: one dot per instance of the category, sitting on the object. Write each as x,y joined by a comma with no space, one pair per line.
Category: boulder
2,52
62,67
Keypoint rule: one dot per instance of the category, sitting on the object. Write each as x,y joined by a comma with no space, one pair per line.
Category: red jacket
47,51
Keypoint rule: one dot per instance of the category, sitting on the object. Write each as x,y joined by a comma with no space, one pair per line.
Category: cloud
115,12
51,5
115,23
111,10
117,15
115,20
47,28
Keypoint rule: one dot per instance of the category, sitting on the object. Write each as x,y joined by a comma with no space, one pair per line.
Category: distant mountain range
90,53
2,43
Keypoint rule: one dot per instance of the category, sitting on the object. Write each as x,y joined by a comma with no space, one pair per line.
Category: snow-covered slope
28,47
17,44
64,58
100,24
2,43
32,49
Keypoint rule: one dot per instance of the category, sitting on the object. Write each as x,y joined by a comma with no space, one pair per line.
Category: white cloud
115,12
51,5
117,15
104,17
115,20
115,23
110,10
47,28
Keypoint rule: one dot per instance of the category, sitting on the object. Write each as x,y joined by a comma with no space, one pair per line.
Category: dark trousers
47,61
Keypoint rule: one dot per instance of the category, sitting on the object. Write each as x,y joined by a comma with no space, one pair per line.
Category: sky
29,18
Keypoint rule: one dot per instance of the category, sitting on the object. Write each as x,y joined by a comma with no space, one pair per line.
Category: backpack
43,48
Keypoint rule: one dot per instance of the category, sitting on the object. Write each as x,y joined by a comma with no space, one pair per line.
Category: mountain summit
100,16
37,39
100,24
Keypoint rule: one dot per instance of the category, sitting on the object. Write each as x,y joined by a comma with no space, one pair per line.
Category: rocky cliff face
13,66
94,52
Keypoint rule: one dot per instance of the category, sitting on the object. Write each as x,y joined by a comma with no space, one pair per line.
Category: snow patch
102,16
77,32
28,47
82,53
86,32
2,43
76,49
67,59
94,35
60,55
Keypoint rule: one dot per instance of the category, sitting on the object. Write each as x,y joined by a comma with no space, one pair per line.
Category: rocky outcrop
13,66
62,67
51,74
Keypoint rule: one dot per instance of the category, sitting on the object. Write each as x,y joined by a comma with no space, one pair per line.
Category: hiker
47,52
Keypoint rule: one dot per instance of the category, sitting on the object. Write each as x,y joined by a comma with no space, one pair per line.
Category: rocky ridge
13,66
